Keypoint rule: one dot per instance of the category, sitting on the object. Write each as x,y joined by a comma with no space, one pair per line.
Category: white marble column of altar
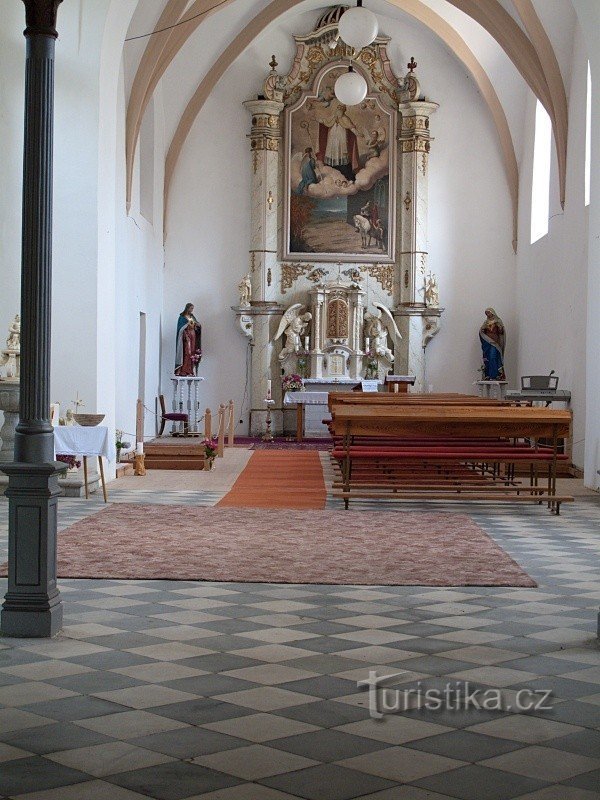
259,322
418,323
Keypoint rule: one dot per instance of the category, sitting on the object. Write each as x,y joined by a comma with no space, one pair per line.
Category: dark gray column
32,606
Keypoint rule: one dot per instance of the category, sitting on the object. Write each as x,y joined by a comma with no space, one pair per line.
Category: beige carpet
285,546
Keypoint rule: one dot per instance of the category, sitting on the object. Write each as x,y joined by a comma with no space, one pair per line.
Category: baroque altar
338,285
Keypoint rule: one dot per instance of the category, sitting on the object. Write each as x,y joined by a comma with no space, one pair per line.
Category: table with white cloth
301,400
80,440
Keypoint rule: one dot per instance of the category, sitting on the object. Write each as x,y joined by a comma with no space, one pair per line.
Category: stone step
174,461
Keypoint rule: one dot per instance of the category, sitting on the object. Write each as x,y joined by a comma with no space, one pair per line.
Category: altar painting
340,192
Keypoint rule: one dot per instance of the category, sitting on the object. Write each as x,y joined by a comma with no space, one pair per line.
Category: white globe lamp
358,26
350,88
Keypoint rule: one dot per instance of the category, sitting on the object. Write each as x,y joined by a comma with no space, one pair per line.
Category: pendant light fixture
358,27
350,88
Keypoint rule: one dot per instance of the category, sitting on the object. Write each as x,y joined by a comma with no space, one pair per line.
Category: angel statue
377,327
294,325
245,288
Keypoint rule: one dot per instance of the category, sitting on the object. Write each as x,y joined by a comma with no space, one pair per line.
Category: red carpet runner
279,479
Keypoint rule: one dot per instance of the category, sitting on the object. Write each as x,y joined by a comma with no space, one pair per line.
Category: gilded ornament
291,272
407,201
384,274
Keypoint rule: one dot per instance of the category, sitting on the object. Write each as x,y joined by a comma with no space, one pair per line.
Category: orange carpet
279,479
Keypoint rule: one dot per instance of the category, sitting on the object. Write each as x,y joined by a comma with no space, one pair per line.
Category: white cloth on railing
306,398
78,440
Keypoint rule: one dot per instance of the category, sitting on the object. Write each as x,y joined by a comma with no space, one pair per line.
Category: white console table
186,400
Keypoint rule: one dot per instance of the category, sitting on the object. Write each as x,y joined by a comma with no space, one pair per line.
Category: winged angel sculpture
293,324
378,325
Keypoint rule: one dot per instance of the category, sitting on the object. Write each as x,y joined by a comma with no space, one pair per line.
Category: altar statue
245,288
14,335
431,292
294,325
189,343
493,341
377,327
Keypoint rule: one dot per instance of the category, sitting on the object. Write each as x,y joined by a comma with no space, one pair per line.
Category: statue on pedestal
189,343
493,341
377,327
245,288
432,292
10,357
294,325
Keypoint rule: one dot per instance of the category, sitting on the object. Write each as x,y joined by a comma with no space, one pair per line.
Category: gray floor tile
328,745
188,743
51,738
36,774
173,781
475,783
327,782
465,745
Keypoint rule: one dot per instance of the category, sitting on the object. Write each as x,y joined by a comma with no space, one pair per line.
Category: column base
32,605
32,623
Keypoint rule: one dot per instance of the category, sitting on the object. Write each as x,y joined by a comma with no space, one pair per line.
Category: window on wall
540,189
588,136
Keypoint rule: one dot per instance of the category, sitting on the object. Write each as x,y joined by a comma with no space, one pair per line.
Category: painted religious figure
189,343
341,172
493,340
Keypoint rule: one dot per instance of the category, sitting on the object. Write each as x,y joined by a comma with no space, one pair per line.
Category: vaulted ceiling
505,45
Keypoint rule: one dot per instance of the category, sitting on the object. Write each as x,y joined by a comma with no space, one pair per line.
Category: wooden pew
405,451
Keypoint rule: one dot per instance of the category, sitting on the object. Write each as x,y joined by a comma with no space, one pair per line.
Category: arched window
540,186
588,136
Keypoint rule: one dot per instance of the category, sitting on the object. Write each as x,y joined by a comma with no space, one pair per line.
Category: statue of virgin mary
493,341
189,343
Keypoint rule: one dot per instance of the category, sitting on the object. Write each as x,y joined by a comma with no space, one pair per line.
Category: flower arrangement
120,444
292,383
71,461
372,370
210,447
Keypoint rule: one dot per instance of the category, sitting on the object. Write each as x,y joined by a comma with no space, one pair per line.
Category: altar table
302,399
79,440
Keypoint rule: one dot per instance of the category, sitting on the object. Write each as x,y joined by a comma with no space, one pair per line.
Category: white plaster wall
139,278
470,215
552,272
589,18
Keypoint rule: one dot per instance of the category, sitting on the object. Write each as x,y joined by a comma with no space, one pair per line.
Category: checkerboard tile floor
179,690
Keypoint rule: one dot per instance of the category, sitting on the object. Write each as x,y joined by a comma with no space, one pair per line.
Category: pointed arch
416,9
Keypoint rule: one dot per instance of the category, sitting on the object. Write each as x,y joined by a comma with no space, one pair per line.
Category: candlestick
307,342
367,343
268,390
396,388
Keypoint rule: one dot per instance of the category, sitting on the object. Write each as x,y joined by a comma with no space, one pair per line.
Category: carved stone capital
40,16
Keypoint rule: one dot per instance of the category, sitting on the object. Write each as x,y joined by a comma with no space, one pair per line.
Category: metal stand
268,435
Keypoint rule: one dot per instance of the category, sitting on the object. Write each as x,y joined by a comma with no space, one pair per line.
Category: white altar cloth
78,440
306,398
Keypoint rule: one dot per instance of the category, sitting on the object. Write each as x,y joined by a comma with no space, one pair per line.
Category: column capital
40,16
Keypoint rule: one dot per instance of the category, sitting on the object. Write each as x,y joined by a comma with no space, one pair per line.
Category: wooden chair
171,417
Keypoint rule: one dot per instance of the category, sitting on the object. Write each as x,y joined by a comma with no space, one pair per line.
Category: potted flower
292,383
120,444
210,452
